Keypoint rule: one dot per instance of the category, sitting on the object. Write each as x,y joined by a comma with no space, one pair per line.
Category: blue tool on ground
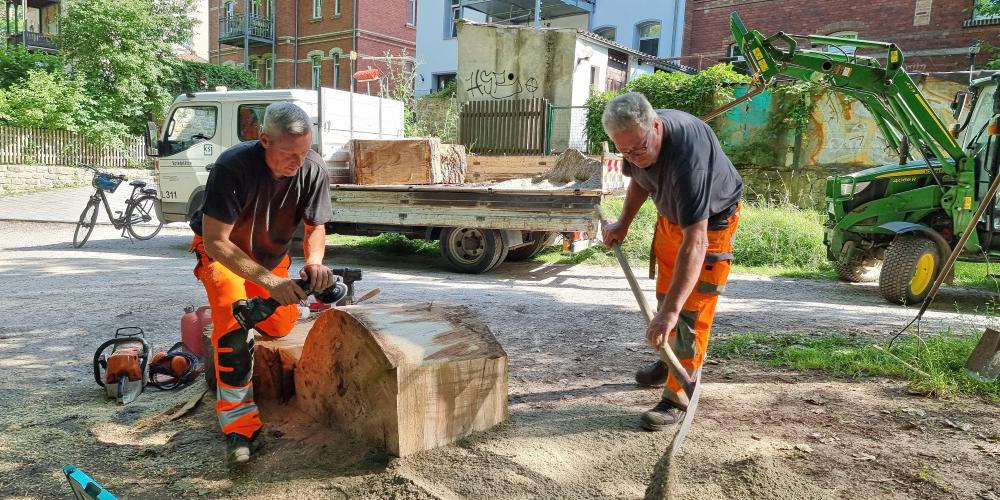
85,488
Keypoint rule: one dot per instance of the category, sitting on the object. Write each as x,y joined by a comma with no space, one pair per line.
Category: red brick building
307,43
935,35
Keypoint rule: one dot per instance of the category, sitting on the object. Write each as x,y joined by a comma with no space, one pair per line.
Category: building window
979,15
595,76
649,38
847,50
317,9
255,69
269,73
411,12
230,9
336,71
317,71
254,7
249,118
336,8
607,32
453,14
441,81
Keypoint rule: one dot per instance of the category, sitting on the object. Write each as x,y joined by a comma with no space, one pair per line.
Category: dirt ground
573,337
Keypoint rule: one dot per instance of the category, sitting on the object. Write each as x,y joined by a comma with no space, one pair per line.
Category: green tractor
898,222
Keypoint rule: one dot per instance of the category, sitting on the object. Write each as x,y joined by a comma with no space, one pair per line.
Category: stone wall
27,178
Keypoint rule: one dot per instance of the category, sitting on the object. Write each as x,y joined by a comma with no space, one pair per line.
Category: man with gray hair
676,159
257,195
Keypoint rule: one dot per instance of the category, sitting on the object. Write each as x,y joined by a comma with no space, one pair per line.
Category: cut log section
405,377
503,168
274,363
407,161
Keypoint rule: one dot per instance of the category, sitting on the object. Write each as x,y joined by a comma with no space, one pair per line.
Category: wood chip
863,457
816,399
804,448
191,403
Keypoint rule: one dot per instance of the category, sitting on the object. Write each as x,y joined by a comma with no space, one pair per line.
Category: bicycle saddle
137,183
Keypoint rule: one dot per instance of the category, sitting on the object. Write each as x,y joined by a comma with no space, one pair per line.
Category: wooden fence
36,146
513,126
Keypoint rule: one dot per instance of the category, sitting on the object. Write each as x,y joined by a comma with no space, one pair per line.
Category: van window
249,119
188,126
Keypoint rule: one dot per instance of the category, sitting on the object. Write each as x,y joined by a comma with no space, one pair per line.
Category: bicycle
139,219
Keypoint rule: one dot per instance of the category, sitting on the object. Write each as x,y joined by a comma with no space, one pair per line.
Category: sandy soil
573,338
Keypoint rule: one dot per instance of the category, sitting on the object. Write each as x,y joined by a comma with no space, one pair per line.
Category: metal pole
538,13
24,24
246,34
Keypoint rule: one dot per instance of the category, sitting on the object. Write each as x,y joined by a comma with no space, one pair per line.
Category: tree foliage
15,62
122,52
44,99
988,7
190,76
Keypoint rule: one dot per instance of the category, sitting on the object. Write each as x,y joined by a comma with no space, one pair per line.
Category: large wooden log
406,161
406,377
274,363
485,168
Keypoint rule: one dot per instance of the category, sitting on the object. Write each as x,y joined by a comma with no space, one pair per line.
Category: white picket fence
36,146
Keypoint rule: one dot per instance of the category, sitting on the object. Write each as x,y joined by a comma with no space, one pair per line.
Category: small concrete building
562,65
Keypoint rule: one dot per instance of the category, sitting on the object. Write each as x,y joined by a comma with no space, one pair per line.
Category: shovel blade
682,431
984,362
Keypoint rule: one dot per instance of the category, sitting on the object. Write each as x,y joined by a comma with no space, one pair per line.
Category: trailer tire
861,268
911,264
472,250
539,240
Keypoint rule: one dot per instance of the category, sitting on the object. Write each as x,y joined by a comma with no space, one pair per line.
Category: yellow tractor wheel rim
922,274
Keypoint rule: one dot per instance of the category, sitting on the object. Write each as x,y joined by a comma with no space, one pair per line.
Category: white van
201,125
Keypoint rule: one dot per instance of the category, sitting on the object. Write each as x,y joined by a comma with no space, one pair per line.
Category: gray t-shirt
264,211
693,179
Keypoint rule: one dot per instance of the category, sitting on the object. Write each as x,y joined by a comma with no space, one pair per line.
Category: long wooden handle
666,353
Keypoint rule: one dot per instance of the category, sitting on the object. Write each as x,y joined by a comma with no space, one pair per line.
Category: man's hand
614,232
284,290
659,328
319,276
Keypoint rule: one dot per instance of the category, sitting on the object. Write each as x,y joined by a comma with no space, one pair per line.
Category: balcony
522,11
35,41
259,30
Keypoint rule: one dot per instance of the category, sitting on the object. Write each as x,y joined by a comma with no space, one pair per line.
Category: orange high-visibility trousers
233,346
689,339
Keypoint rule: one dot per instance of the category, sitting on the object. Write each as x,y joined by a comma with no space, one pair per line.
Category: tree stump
406,377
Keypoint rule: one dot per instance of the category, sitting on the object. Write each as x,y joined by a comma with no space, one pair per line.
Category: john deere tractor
899,221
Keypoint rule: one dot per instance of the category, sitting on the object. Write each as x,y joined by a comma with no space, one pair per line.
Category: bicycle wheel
85,226
141,219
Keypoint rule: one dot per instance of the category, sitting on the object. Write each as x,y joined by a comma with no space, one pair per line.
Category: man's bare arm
221,249
314,248
635,196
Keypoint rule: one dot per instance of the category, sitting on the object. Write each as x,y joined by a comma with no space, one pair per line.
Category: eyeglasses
641,150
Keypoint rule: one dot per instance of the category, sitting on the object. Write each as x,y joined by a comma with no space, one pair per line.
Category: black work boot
665,414
237,449
654,375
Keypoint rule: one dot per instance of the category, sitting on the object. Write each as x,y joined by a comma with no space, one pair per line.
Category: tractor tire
911,264
861,268
472,250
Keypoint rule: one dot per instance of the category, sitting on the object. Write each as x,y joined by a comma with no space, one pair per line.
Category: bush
50,100
15,62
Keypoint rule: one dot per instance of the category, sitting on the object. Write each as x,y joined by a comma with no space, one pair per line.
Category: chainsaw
124,371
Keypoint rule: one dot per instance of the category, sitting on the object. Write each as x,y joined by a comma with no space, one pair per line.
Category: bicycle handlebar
106,174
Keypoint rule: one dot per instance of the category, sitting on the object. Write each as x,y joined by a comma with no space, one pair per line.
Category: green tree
123,52
44,99
15,62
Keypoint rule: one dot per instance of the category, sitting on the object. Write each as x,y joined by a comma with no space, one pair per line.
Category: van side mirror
152,143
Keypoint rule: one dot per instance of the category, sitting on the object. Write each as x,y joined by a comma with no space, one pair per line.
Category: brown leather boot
654,375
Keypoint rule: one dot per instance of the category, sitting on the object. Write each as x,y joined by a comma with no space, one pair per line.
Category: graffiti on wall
499,85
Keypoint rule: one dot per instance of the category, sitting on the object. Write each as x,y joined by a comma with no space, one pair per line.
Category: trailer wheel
539,240
910,266
860,268
471,250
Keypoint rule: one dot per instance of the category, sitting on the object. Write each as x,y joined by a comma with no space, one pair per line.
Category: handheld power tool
250,312
124,371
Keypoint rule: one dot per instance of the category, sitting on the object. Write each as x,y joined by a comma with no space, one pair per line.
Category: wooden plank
406,377
405,161
487,219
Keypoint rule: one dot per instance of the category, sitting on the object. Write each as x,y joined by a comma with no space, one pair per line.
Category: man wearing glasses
676,159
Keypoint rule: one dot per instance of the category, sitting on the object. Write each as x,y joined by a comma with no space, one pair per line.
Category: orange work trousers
233,346
689,339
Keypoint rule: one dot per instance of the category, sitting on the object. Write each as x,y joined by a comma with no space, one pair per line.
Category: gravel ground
573,337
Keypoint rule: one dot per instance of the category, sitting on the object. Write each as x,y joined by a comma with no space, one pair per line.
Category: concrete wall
624,15
516,63
27,178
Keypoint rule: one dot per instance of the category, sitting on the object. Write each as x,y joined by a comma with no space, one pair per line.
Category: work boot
237,449
665,414
654,375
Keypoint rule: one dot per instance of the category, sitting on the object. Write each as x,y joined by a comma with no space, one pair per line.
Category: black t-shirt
264,211
693,179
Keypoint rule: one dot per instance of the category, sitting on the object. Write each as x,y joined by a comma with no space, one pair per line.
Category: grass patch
389,243
942,356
